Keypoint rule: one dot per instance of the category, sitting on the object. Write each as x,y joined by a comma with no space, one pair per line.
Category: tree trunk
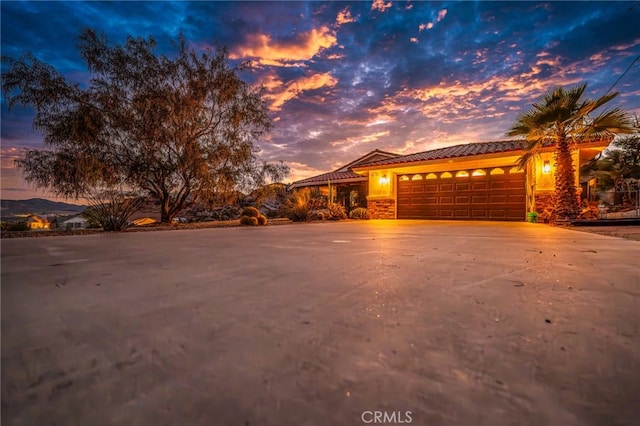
165,211
567,205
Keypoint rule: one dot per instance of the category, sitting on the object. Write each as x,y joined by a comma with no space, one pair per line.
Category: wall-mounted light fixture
546,167
383,180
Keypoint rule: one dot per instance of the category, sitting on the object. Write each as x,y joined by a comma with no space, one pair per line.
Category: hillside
37,206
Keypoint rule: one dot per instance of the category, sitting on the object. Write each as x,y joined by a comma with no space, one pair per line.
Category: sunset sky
344,78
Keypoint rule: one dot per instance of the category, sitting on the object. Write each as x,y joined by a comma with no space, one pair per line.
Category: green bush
251,212
262,220
336,211
359,213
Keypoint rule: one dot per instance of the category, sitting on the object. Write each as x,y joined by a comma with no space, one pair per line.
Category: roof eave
326,182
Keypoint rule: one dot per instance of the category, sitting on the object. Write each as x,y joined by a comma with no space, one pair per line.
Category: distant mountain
37,206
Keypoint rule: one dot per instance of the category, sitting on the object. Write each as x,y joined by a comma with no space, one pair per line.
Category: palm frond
609,123
524,159
591,105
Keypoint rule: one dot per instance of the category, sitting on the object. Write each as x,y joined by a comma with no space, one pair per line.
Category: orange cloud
280,94
380,5
344,17
273,52
301,171
350,142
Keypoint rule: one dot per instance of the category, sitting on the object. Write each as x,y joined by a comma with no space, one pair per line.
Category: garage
482,194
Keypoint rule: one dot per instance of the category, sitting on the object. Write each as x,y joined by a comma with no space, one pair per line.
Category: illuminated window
479,173
416,177
546,167
462,173
446,175
497,171
404,178
515,170
432,176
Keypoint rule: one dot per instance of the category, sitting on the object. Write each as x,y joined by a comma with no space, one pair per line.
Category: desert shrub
262,220
254,221
317,203
320,216
113,208
359,213
251,212
336,211
296,206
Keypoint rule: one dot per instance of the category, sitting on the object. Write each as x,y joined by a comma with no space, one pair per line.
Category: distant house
76,222
35,222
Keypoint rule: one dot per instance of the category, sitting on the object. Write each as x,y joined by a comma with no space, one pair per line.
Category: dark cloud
410,77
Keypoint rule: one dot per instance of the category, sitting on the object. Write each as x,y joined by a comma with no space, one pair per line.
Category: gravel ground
628,232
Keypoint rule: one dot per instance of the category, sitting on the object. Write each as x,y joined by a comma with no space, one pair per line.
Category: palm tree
562,118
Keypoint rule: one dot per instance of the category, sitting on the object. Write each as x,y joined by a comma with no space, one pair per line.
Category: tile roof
344,173
331,176
464,150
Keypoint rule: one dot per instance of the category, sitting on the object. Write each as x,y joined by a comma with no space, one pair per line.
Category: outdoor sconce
383,180
546,167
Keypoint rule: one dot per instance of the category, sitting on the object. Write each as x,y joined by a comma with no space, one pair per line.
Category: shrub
359,213
320,216
336,211
296,206
317,204
251,212
262,220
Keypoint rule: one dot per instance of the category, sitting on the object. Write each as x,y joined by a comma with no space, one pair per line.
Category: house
76,222
347,187
474,181
35,222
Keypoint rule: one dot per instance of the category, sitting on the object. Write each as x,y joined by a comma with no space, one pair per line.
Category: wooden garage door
483,194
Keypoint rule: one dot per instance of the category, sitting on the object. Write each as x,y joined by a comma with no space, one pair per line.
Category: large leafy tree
177,128
563,118
618,167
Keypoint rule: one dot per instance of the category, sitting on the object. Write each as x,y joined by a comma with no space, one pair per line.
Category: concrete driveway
429,323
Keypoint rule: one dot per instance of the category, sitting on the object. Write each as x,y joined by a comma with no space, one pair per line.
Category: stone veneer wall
544,206
382,209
